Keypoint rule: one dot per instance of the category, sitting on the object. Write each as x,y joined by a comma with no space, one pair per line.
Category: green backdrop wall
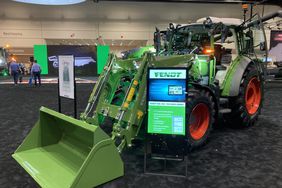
40,54
102,57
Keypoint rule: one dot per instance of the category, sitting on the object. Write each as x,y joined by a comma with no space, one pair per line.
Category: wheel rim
199,121
253,96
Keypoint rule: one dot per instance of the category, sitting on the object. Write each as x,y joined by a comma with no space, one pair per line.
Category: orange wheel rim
199,121
253,96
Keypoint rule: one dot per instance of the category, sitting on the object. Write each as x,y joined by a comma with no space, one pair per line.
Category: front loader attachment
62,152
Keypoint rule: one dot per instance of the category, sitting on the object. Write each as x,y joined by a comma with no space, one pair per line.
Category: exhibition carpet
249,157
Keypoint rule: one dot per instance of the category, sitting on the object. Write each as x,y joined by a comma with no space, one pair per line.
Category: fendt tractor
225,79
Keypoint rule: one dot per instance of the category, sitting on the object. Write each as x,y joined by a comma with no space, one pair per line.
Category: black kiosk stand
165,131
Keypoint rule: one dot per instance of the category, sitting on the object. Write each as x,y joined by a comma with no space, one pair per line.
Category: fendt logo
168,74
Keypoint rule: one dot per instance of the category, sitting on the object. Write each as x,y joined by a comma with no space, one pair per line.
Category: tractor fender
237,75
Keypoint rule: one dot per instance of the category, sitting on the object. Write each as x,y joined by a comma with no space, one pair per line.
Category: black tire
240,116
196,98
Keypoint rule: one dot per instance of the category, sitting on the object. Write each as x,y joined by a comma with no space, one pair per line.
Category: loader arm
120,96
97,88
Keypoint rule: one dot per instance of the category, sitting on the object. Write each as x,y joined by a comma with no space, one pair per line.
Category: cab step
225,110
223,101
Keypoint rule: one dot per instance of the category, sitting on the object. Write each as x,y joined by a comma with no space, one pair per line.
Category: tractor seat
220,68
226,57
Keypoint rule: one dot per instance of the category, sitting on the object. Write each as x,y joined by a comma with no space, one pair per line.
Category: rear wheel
253,95
200,117
247,106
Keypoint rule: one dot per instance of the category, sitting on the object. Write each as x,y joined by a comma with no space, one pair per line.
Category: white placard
66,76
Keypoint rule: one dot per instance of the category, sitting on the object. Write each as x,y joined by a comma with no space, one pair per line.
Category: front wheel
200,117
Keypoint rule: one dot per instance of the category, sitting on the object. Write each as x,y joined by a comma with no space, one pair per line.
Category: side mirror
207,23
157,40
262,46
250,34
171,26
224,34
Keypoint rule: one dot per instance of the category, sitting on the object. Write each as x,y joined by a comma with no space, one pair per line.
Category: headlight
1,61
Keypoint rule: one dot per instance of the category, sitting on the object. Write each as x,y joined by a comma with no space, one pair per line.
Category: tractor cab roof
225,21
204,25
232,22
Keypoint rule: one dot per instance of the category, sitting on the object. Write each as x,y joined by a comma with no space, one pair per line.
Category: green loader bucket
64,152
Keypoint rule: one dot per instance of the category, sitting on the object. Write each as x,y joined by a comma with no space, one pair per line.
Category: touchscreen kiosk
166,101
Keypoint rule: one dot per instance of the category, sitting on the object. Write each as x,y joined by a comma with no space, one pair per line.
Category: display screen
166,101
167,90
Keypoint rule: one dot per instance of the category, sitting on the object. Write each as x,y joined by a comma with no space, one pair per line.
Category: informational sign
275,51
166,101
167,117
66,76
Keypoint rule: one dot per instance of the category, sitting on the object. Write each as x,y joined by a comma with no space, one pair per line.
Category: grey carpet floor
249,157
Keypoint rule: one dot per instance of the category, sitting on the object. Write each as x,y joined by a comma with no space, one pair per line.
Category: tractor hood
132,65
173,61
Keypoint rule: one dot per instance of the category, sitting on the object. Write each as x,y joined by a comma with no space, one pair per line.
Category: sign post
166,105
66,81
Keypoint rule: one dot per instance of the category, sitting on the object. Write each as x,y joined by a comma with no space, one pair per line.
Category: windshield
185,40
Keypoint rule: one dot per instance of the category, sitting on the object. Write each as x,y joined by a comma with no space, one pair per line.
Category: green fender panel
233,78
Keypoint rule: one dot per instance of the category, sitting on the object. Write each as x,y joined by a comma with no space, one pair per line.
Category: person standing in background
21,72
14,71
31,76
36,72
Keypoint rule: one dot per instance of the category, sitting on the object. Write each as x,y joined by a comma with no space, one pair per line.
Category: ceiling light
51,2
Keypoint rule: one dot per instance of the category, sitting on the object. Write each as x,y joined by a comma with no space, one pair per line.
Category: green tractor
226,78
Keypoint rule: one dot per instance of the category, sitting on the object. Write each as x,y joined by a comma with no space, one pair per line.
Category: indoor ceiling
128,11
106,11
273,2
51,2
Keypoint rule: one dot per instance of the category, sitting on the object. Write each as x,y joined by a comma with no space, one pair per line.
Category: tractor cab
225,38
180,40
